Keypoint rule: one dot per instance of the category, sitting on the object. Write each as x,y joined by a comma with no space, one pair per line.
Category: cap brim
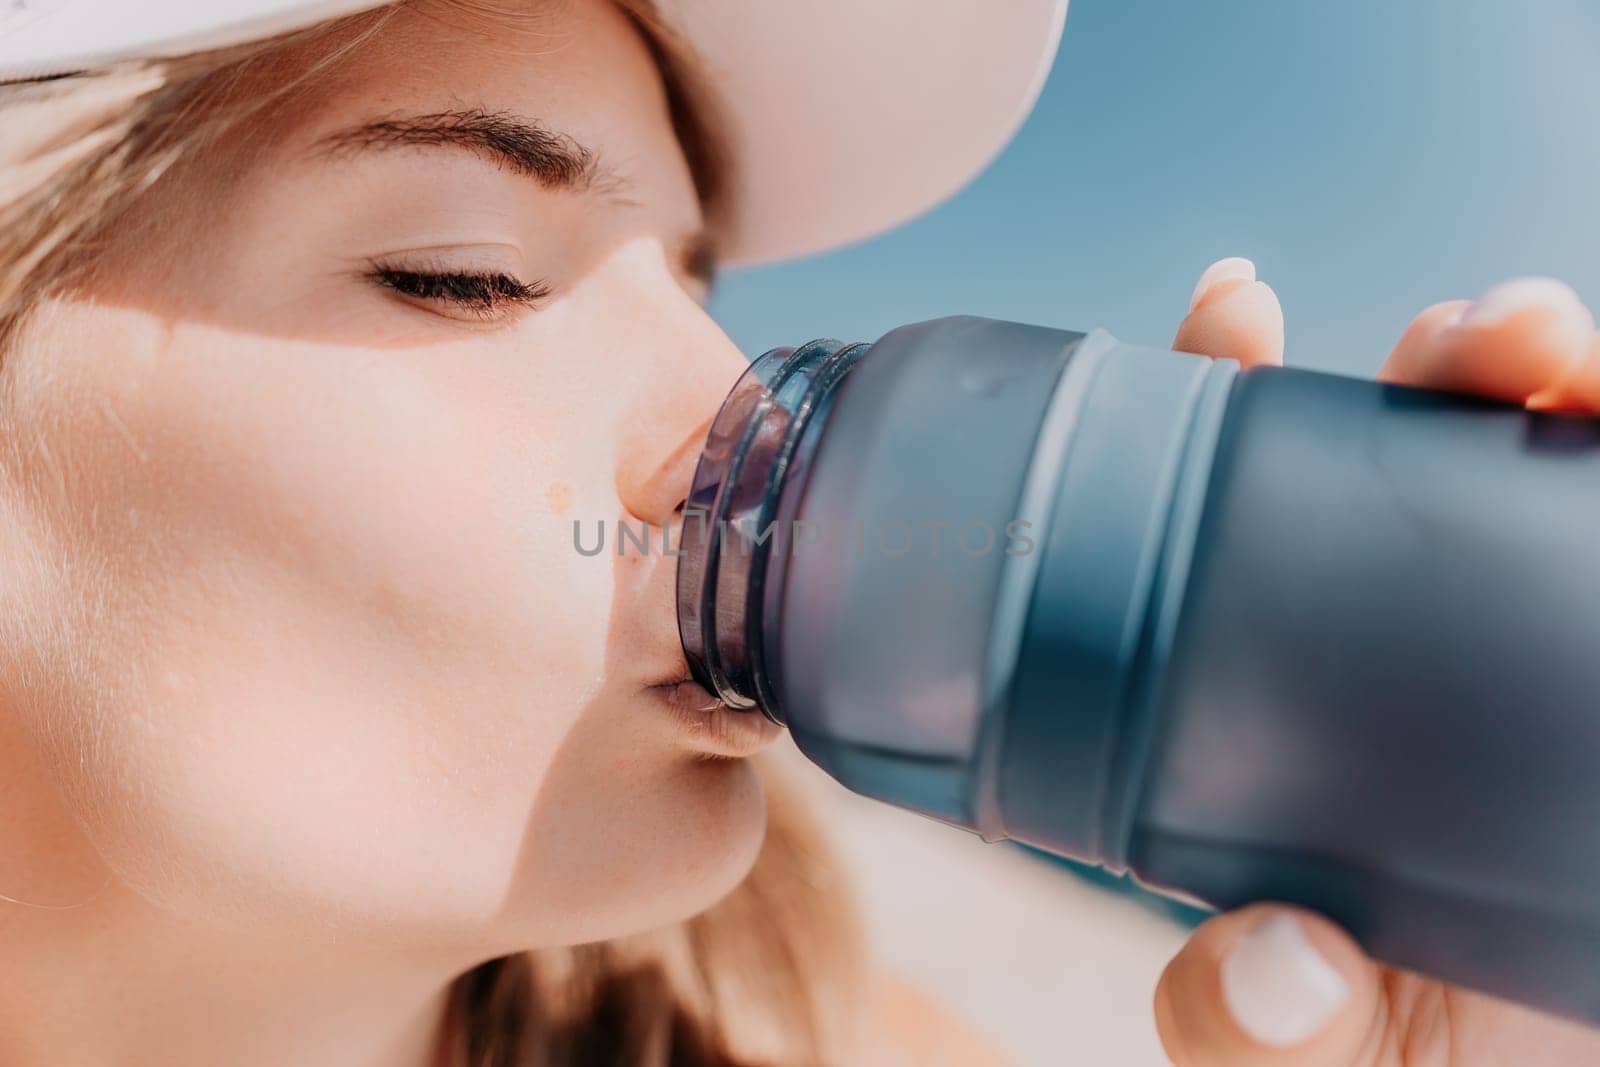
842,118
848,117
47,37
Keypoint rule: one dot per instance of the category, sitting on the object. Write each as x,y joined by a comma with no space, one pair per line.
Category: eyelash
480,293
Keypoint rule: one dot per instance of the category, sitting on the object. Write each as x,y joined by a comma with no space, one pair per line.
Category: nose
655,494
693,364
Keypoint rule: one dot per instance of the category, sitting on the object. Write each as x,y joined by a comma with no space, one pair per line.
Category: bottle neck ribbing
758,445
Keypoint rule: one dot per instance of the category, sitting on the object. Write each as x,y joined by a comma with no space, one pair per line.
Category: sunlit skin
309,703
1524,343
306,689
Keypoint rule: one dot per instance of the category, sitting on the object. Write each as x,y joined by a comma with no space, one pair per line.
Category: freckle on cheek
559,497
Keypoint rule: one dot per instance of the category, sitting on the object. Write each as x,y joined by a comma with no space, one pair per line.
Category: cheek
343,641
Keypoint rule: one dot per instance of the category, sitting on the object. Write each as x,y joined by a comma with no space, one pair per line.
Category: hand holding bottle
1270,986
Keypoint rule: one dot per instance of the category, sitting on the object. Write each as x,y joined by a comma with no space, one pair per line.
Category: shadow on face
301,465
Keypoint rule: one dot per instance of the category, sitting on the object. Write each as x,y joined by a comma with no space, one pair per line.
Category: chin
713,850
744,830
657,851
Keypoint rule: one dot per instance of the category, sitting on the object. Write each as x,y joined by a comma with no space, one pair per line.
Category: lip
710,726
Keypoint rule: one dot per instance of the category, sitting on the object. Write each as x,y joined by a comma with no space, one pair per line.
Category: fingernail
1234,268
1278,987
1520,294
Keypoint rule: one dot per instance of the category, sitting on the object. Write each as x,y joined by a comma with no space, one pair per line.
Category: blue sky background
1371,156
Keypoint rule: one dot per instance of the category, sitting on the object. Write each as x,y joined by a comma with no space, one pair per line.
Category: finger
1520,338
1233,316
1410,361
1578,390
1269,986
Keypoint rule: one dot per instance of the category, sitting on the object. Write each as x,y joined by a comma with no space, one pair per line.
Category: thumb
1270,986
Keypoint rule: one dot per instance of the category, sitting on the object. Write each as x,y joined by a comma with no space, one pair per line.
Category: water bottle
1265,634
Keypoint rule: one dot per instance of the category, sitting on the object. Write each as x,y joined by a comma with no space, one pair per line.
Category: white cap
845,117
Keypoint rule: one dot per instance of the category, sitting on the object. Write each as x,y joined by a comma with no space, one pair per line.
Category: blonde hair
771,976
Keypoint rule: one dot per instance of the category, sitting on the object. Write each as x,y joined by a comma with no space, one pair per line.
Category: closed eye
479,293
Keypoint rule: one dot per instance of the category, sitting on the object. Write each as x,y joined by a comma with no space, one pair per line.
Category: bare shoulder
908,1028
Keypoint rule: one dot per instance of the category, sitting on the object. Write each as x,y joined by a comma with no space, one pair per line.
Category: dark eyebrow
553,159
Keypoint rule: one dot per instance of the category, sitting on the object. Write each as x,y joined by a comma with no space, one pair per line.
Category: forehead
582,62
581,71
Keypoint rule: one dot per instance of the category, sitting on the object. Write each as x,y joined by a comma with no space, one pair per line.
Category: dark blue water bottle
1265,634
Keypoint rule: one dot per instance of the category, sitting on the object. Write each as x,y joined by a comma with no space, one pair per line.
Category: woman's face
298,627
